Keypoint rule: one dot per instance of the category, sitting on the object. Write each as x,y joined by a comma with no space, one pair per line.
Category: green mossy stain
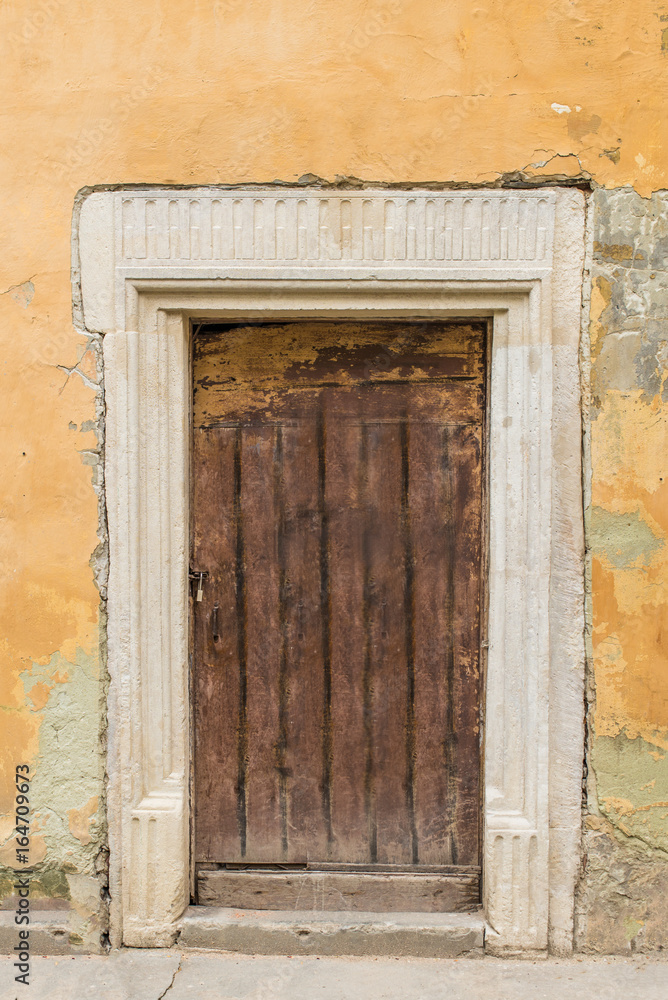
632,927
625,539
632,787
52,883
69,771
6,884
70,767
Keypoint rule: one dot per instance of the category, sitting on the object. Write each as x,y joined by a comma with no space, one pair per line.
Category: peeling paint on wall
65,843
52,681
21,294
627,527
624,539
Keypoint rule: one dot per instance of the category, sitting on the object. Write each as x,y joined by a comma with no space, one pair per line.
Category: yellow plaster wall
232,91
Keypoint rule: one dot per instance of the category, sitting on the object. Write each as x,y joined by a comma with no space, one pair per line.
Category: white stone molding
152,261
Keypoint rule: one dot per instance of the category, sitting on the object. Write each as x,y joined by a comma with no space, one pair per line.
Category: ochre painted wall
395,91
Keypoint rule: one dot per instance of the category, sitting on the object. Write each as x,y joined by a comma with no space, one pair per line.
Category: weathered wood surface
337,507
339,891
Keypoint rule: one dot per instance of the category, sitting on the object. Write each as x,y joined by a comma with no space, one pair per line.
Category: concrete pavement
199,975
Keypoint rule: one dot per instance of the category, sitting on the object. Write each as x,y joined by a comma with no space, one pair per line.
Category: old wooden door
337,498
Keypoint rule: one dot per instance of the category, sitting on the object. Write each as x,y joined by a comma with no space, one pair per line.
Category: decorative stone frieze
305,228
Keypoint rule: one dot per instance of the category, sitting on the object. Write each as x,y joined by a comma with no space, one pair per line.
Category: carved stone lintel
276,226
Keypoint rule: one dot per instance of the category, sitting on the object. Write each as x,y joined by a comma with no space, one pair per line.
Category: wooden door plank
466,446
433,530
216,681
260,800
350,753
304,654
386,604
340,891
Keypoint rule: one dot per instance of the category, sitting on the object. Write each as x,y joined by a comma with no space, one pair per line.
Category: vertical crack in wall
99,563
589,690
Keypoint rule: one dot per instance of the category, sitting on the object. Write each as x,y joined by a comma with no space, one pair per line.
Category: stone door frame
152,260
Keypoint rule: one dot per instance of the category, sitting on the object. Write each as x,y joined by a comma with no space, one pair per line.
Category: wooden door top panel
239,368
449,403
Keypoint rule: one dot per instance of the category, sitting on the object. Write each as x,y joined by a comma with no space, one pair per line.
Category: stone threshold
308,932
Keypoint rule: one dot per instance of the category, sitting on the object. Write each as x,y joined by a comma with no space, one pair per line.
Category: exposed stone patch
616,368
621,903
631,260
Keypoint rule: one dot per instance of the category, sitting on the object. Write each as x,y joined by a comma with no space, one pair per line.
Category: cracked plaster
621,900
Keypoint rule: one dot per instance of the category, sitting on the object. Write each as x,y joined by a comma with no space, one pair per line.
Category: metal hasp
200,576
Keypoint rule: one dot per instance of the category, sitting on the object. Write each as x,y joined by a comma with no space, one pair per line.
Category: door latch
200,576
